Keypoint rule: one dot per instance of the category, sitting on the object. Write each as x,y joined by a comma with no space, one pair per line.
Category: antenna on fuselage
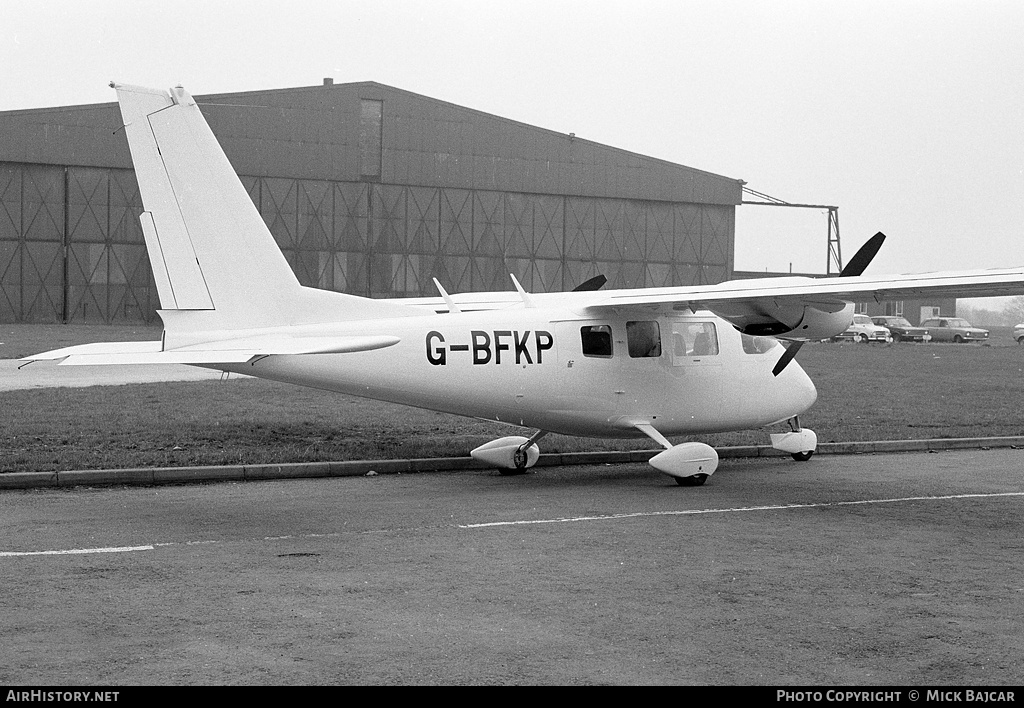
527,301
452,307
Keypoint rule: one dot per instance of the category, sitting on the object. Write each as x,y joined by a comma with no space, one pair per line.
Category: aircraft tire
803,456
694,480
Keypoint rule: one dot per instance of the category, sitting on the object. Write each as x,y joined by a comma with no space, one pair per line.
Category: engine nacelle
792,322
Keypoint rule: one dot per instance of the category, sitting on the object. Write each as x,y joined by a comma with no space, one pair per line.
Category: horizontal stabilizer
234,351
99,348
220,357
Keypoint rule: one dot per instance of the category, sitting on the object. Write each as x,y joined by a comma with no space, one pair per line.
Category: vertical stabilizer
209,247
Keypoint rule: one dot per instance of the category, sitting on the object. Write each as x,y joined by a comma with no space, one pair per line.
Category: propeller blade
787,356
595,283
863,257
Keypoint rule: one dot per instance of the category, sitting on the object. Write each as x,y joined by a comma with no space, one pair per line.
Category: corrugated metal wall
71,248
390,240
369,190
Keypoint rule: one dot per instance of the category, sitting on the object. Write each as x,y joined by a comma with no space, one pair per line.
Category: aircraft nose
804,392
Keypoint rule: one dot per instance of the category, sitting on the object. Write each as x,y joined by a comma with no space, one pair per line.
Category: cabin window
757,345
644,339
597,340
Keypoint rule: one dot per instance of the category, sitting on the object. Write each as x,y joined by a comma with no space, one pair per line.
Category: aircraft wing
805,309
793,308
819,291
230,351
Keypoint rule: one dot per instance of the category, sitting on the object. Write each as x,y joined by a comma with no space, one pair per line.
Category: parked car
901,329
954,329
1018,333
864,330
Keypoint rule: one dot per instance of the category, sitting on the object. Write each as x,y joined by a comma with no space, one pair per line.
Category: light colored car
864,330
1018,333
954,329
901,330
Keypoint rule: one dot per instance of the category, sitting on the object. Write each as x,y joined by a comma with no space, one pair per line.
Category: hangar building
369,190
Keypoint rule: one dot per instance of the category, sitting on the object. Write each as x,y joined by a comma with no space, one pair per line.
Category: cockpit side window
694,343
705,339
758,345
694,339
597,340
643,338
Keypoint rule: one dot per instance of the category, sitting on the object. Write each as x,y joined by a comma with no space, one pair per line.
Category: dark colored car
901,329
954,329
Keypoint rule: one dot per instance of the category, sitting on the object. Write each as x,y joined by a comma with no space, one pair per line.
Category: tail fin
209,247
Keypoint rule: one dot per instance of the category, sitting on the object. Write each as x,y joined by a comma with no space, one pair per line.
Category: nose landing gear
800,443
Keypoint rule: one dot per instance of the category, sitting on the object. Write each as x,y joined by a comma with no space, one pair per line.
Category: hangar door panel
42,262
10,243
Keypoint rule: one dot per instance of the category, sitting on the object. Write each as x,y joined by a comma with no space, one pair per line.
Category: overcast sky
908,116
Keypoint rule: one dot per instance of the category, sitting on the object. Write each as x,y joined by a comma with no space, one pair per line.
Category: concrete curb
357,468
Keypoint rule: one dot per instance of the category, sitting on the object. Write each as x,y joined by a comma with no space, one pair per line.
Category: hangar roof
313,132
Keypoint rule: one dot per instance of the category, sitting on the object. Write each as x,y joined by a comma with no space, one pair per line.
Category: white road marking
529,522
732,510
77,551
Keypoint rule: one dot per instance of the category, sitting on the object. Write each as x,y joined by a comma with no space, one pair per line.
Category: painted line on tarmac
733,510
202,542
76,551
166,544
526,522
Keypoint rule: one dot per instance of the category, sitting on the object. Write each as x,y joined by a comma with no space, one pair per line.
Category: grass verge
866,392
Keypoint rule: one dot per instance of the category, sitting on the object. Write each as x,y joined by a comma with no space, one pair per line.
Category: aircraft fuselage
558,371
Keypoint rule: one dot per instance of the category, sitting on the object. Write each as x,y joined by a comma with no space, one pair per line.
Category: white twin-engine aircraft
618,363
